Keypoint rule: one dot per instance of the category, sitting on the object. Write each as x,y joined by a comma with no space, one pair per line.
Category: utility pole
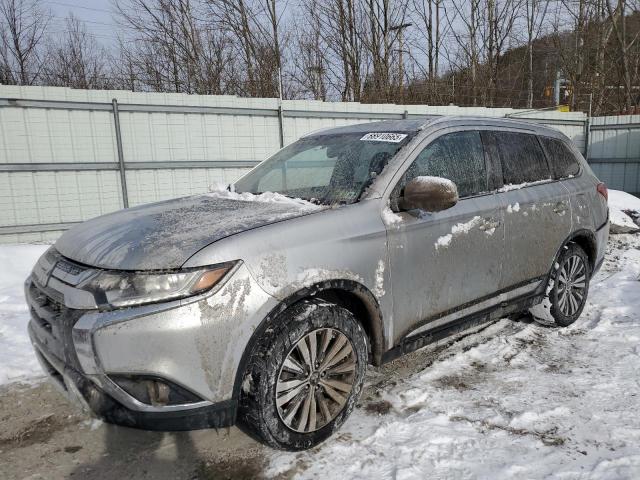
556,89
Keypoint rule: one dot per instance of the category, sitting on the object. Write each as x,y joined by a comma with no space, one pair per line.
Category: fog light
155,391
158,393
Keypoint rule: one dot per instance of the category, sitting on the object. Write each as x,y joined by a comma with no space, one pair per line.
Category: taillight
602,190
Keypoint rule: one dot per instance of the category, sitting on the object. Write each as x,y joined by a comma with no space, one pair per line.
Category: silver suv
264,303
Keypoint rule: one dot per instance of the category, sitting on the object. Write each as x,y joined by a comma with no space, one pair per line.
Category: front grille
68,267
53,324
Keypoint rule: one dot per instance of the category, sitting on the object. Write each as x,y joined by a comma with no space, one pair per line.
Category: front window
458,157
326,169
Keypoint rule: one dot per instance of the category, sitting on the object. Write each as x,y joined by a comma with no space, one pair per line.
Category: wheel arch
586,240
349,294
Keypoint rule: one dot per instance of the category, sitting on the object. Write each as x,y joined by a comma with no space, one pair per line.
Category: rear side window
522,158
457,156
561,159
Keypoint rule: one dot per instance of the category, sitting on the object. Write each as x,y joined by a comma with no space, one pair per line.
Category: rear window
522,158
561,159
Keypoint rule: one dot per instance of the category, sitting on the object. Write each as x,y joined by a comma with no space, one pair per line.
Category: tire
568,287
282,382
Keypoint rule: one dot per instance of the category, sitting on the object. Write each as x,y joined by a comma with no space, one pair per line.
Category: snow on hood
164,235
266,197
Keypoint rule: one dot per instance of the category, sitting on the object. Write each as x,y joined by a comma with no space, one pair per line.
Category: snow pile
389,217
379,291
443,184
457,230
516,400
17,360
514,208
623,209
623,201
517,186
221,191
444,241
621,222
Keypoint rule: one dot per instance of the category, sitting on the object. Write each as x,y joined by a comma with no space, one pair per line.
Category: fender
332,289
589,245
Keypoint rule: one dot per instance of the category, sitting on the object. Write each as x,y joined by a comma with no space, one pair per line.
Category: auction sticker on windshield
384,137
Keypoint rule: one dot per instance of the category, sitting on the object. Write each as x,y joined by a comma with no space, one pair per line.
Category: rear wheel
568,287
304,377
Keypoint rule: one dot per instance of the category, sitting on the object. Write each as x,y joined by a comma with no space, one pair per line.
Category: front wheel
304,376
566,293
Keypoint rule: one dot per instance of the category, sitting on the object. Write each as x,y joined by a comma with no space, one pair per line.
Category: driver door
442,263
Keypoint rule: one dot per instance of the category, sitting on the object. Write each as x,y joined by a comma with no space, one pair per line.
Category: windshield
327,169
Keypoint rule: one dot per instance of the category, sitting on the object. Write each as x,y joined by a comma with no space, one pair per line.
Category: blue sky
96,14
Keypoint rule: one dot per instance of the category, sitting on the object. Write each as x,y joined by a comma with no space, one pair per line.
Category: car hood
164,235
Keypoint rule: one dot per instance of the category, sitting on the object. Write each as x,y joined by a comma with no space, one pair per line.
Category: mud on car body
263,304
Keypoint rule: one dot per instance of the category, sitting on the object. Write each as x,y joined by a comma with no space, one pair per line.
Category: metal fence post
587,138
123,175
281,125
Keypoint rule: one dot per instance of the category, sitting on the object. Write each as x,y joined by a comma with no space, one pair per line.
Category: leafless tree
22,28
310,59
170,47
625,43
253,27
386,20
428,12
536,12
477,52
467,39
496,30
76,60
342,28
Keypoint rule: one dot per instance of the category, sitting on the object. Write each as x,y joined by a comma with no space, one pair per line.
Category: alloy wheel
315,380
572,285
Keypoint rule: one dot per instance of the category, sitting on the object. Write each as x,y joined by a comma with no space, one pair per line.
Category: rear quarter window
562,161
522,158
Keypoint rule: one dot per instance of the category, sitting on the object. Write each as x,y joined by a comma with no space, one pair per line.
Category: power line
95,35
58,17
93,9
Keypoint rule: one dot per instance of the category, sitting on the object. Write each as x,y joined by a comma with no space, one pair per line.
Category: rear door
582,189
441,262
537,211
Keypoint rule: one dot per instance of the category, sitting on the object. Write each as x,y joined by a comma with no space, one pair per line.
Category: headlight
122,289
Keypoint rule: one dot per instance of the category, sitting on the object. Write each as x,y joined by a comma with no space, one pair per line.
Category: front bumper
195,344
85,393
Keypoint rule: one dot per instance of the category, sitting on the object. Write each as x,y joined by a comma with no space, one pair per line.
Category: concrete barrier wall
63,159
614,151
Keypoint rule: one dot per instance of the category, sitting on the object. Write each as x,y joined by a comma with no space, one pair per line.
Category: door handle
560,207
489,224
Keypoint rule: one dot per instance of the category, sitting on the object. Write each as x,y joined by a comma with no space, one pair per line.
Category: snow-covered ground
622,207
516,400
17,361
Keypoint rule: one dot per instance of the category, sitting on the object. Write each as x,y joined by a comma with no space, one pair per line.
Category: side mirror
431,194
